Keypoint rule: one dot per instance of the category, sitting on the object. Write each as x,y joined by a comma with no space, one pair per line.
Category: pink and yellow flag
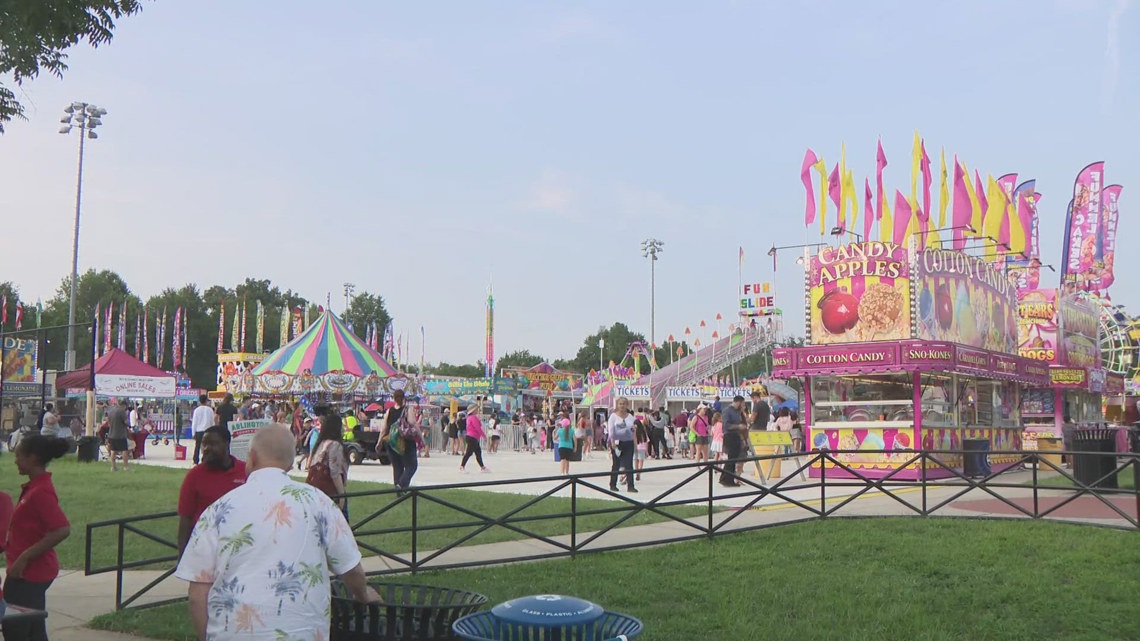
880,165
903,214
868,210
809,187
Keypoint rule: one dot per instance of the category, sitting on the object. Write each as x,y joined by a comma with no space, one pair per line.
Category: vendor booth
908,349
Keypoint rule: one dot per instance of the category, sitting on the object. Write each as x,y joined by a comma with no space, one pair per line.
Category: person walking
473,435
564,435
207,482
699,425
202,418
735,433
226,411
38,525
258,561
401,449
328,466
620,433
118,431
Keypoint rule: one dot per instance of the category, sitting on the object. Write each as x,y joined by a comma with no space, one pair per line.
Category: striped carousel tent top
326,346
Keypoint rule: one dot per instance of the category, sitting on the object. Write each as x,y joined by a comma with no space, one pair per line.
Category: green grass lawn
89,492
1126,479
843,579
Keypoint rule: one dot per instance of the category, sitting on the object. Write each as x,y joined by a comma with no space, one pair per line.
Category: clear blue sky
416,149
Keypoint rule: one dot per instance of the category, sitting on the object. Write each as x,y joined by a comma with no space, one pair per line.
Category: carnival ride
325,362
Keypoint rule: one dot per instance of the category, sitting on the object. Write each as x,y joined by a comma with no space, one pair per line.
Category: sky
425,150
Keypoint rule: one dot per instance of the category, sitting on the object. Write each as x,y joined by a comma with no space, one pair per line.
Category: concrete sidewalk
75,599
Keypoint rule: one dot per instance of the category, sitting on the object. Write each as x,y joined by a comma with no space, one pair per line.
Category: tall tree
201,332
519,358
95,288
465,371
35,33
618,337
365,309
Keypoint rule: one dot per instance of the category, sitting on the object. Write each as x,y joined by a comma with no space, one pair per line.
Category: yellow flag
995,214
886,225
914,226
975,205
915,167
850,199
1016,230
943,194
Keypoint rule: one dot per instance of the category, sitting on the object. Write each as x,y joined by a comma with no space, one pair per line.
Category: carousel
327,362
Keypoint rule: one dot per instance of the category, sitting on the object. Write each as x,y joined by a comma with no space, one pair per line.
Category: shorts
702,440
640,453
797,434
495,437
118,444
566,453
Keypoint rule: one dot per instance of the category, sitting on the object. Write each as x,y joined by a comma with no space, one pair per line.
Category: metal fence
425,540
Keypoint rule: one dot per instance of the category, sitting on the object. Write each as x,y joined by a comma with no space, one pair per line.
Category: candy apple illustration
943,306
839,311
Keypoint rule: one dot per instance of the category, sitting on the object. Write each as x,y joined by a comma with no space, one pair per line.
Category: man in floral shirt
259,559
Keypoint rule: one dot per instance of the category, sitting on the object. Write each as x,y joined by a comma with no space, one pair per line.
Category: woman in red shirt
38,525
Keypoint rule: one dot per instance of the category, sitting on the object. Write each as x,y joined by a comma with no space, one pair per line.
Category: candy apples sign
859,292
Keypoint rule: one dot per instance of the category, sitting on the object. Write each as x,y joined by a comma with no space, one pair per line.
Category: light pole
85,117
601,354
650,247
348,289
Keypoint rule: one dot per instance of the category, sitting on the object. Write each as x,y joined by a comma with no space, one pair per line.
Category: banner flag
809,186
1081,236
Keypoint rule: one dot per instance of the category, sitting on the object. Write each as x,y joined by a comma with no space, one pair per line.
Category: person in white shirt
50,423
259,558
202,418
620,430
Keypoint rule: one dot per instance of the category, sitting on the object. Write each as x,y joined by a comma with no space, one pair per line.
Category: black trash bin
87,450
547,617
1095,457
976,457
406,613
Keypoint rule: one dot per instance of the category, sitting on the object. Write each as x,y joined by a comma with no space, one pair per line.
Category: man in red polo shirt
218,473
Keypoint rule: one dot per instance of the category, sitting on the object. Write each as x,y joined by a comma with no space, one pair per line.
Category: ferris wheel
1119,349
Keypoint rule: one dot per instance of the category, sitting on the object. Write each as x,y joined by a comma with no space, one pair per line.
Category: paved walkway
74,598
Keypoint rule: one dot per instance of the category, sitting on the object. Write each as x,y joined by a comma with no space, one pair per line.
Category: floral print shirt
266,549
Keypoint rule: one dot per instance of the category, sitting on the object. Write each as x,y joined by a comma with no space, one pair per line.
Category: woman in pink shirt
700,424
474,435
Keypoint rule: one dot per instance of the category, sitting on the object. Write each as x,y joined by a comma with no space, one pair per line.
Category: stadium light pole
85,117
650,247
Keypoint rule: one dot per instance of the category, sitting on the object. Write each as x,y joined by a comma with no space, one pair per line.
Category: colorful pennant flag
809,187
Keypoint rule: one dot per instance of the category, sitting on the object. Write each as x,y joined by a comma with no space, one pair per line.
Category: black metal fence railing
439,527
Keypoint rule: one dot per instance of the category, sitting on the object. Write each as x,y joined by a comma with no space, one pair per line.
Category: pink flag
868,219
880,164
1008,184
980,189
1109,219
962,212
926,182
903,215
809,187
835,190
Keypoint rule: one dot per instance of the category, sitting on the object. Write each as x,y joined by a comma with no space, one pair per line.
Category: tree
518,358
365,309
201,333
466,371
618,337
94,289
11,293
35,33
760,363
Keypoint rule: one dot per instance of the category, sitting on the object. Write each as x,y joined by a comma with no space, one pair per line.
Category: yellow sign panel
769,439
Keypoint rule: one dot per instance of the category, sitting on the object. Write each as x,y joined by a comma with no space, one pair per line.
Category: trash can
547,616
1095,457
976,459
406,613
87,450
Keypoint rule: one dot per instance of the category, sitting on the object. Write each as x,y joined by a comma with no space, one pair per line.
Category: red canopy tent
117,373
